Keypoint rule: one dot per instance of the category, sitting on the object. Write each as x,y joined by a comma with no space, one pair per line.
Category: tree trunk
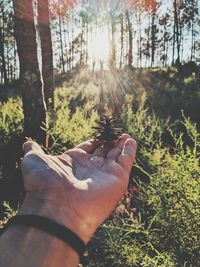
72,36
34,107
122,41
176,23
46,47
15,62
164,55
2,54
86,44
140,39
81,60
113,48
61,45
174,33
130,37
8,64
173,45
148,43
182,41
192,32
180,33
153,38
68,46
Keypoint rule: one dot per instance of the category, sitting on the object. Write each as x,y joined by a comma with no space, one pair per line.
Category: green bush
174,195
67,130
11,118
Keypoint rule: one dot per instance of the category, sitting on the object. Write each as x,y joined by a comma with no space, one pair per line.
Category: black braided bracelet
51,227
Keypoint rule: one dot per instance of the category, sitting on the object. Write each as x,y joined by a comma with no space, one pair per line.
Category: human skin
77,189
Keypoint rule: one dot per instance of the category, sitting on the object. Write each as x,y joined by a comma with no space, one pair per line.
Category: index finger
32,146
89,146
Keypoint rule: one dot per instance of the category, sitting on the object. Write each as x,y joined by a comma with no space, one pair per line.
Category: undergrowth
160,225
157,223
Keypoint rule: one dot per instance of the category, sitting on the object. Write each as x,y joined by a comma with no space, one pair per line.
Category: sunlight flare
99,45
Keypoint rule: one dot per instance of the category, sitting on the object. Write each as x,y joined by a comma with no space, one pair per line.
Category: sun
99,45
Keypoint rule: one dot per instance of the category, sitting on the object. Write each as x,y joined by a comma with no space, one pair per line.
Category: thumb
31,146
127,157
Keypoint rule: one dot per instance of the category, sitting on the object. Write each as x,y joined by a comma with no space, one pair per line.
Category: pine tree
46,47
35,117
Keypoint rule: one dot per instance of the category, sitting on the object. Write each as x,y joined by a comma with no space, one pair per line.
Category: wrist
59,214
42,249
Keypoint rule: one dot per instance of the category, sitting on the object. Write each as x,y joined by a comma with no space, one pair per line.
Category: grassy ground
157,222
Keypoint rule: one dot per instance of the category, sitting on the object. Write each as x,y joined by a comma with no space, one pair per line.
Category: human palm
80,187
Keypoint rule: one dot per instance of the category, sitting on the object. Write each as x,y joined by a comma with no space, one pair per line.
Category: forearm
22,246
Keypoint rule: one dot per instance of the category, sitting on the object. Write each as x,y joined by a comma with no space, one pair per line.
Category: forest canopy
137,33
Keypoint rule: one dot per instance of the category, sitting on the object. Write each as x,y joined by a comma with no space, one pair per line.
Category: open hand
80,187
